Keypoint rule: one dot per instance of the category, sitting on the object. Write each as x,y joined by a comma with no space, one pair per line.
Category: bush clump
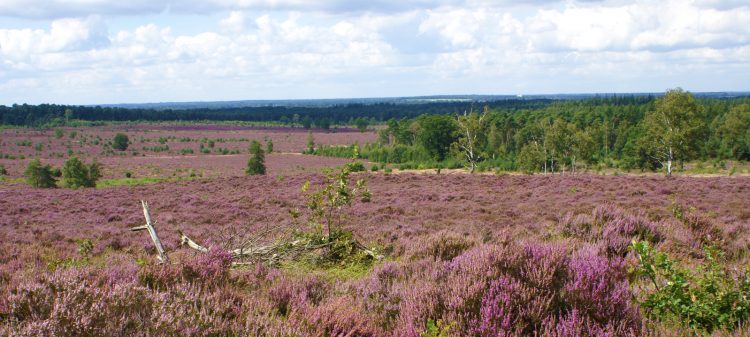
705,300
40,176
76,174
257,162
120,142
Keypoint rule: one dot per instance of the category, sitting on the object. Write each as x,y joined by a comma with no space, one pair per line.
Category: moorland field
337,243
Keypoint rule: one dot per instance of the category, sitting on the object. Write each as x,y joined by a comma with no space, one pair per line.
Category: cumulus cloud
294,48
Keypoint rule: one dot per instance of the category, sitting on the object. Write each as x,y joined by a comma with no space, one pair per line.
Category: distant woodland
533,135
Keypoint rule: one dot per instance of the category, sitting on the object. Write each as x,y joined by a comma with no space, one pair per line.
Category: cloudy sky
115,51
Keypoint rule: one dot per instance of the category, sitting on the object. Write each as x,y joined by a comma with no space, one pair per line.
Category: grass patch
349,271
137,181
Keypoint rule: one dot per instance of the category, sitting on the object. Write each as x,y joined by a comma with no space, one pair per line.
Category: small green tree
561,140
674,128
76,174
436,134
120,142
256,164
59,133
734,132
40,176
3,171
326,204
531,158
361,123
269,146
310,143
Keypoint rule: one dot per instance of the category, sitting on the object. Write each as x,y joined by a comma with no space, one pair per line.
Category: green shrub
59,133
40,176
3,171
355,166
120,142
437,329
76,174
706,298
256,164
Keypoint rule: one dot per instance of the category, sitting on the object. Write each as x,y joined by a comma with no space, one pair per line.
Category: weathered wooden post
152,232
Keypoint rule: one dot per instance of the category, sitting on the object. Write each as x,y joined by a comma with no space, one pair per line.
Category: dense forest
312,116
637,133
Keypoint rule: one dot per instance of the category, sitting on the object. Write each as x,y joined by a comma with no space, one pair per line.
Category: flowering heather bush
481,255
212,266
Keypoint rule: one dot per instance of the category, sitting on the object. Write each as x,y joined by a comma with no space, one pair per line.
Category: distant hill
330,102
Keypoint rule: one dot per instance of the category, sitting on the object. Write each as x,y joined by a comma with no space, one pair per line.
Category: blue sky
114,51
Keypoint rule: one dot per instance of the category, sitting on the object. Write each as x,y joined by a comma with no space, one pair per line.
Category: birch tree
674,127
471,126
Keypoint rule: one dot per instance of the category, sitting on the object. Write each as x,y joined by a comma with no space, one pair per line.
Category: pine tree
256,163
40,176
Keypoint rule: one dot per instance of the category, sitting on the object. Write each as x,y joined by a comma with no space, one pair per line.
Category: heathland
356,225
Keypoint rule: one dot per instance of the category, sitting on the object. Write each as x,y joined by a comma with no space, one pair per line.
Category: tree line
647,134
45,115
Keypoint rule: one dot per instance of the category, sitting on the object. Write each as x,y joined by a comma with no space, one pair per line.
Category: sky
115,51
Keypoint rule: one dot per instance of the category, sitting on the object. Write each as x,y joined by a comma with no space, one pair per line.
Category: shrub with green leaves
257,162
356,166
706,299
3,170
40,176
120,142
76,174
327,201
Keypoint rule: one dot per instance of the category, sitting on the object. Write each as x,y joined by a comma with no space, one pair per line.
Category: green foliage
85,247
76,174
3,171
310,143
40,176
674,128
472,136
531,158
269,146
59,133
734,132
437,329
361,123
257,162
436,134
327,202
355,166
705,300
120,142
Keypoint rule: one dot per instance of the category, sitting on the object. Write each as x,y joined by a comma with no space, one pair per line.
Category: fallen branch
250,249
185,240
152,232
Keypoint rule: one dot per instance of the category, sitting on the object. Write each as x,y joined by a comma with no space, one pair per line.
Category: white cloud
234,23
326,48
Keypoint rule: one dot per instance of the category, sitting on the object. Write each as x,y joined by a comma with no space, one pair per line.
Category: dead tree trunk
152,232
